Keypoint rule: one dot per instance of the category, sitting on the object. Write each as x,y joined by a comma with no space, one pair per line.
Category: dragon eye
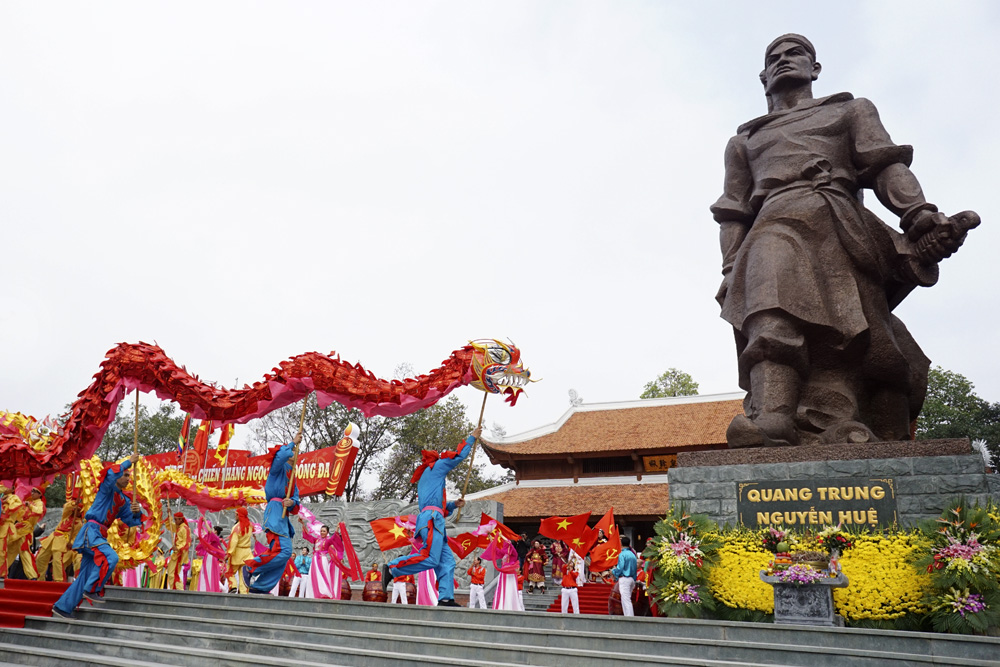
499,355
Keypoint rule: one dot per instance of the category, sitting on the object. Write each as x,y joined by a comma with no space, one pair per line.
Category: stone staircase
157,627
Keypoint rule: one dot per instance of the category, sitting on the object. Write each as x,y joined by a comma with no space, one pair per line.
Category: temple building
603,455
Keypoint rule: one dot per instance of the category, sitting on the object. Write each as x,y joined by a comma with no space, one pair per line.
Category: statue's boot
768,430
851,432
773,402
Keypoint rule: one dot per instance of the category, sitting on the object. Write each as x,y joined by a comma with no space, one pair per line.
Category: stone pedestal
806,604
923,475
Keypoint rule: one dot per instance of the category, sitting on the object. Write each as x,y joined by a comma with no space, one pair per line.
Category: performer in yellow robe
159,564
240,549
56,547
9,506
179,552
18,539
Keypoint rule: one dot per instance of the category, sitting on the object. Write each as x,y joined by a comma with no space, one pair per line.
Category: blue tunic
429,526
275,489
109,504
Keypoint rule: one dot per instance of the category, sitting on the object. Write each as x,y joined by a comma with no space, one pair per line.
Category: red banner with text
324,471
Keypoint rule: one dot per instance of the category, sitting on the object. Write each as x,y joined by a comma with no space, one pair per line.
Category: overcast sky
245,181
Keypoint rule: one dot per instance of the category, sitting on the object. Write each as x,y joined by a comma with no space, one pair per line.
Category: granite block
890,467
916,485
856,468
955,484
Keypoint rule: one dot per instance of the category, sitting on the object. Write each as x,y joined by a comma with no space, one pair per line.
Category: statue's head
789,62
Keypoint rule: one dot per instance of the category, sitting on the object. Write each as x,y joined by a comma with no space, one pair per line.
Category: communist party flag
223,447
183,437
499,529
464,544
389,534
201,437
564,528
604,556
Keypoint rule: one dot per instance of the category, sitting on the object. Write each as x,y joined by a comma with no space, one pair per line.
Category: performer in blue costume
264,572
433,554
99,559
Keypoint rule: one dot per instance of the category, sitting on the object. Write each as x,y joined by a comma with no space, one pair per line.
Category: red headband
428,458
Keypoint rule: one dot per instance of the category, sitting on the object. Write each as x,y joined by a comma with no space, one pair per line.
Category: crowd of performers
238,563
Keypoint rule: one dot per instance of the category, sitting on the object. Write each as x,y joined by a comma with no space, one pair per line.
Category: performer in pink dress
427,588
324,577
505,560
213,552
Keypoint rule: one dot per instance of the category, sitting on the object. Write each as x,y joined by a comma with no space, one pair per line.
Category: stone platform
157,627
923,475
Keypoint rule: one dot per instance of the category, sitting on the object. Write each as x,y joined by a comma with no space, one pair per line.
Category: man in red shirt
569,591
477,575
373,574
399,588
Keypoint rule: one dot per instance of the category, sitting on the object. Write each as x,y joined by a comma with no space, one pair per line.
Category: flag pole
295,457
472,457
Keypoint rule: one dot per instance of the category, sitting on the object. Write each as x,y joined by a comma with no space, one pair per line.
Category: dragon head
498,369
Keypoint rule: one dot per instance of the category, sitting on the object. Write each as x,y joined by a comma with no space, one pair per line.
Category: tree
158,432
441,426
953,410
324,428
671,383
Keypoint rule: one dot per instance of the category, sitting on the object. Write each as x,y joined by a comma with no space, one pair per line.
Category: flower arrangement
681,549
833,537
773,537
963,563
798,575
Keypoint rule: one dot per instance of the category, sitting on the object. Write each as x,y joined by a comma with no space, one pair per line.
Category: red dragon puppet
37,450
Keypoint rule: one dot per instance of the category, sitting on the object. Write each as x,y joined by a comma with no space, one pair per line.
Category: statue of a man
811,276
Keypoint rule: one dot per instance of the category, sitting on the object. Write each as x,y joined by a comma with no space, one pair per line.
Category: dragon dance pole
135,441
472,458
295,457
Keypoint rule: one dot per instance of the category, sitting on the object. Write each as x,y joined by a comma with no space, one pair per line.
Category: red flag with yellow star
223,447
201,437
389,534
564,528
582,543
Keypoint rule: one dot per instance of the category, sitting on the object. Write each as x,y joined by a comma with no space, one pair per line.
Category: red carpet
593,599
20,598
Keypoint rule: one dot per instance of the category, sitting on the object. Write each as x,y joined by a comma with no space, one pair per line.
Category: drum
345,589
640,604
411,593
373,592
615,602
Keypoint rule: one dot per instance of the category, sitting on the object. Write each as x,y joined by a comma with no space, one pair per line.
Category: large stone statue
811,276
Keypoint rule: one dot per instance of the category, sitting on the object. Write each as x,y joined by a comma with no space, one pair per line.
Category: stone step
523,645
330,646
143,625
44,657
929,644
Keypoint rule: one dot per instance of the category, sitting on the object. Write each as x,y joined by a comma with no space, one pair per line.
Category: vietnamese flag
582,543
389,534
564,528
223,447
604,556
201,437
